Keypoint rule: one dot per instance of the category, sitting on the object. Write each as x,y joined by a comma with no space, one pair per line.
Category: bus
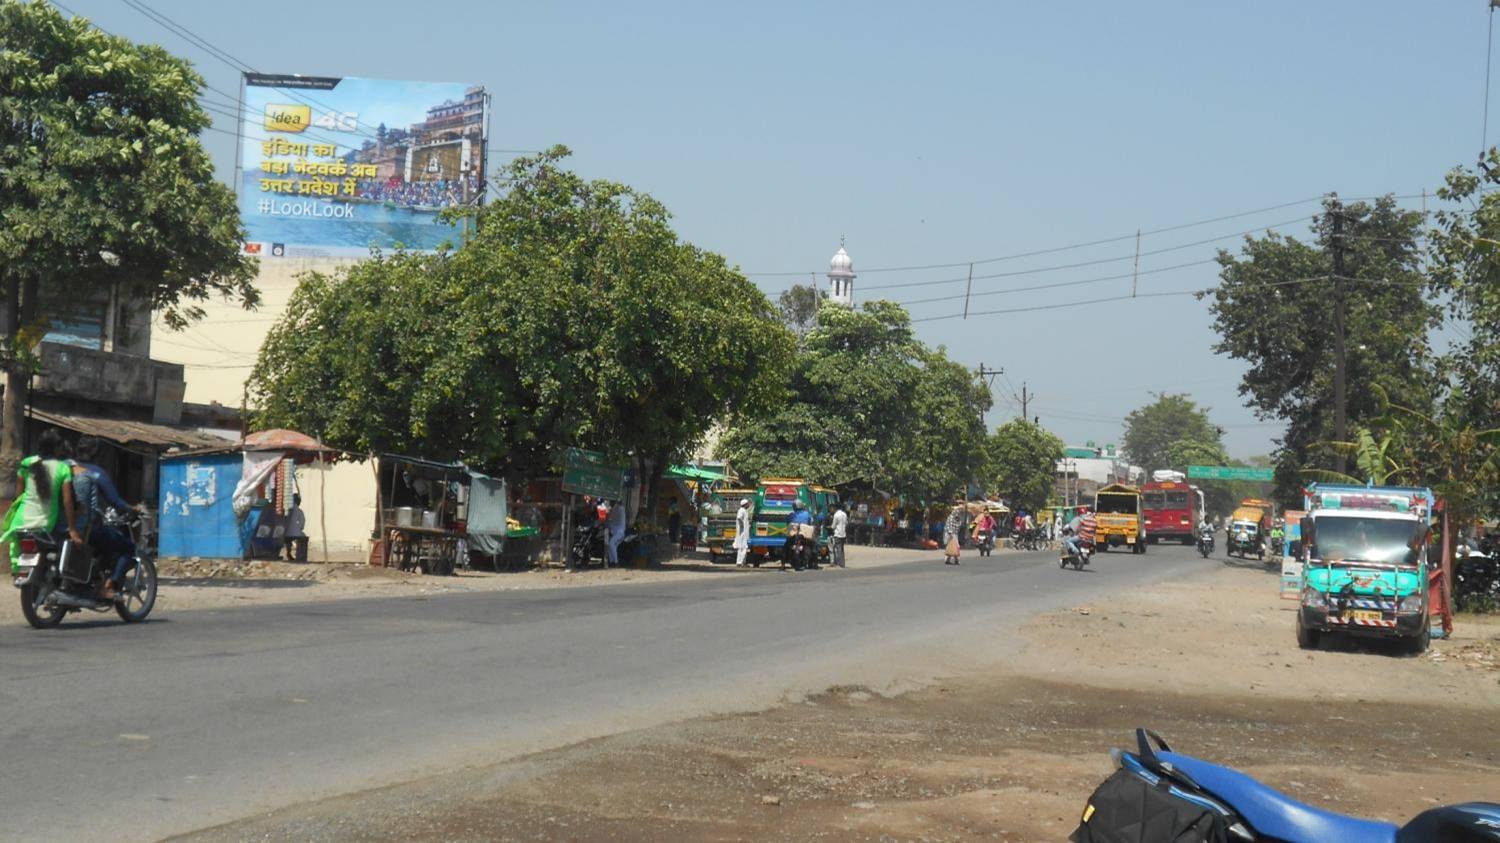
1173,510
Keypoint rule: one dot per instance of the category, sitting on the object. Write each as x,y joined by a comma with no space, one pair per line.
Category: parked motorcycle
59,578
588,545
1206,544
1186,798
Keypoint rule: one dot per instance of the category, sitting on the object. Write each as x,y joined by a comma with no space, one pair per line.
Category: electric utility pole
1025,399
1340,422
988,375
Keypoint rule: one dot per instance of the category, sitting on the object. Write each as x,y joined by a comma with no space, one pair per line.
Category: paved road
135,733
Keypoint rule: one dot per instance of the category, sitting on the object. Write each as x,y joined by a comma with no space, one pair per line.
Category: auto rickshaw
1245,539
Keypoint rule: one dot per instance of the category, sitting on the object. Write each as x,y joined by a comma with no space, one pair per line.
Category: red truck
1173,510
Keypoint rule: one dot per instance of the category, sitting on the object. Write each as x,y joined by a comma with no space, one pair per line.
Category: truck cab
1117,509
1364,564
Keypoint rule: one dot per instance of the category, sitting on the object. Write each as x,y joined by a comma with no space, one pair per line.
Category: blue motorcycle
1157,794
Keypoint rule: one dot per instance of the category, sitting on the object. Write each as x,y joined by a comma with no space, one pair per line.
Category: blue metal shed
197,517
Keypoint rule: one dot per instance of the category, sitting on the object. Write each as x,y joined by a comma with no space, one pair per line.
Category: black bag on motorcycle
1128,809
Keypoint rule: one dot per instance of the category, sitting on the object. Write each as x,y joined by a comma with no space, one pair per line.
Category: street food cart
433,516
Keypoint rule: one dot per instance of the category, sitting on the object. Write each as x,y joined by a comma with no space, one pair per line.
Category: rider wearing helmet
800,515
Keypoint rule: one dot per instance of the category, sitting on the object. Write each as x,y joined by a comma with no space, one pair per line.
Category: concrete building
216,356
96,376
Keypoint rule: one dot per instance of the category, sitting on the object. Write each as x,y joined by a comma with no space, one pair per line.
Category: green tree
798,305
105,185
851,419
1023,463
1465,270
1273,309
1151,431
572,316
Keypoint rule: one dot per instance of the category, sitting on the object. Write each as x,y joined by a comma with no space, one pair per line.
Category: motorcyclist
1080,531
984,528
93,490
800,515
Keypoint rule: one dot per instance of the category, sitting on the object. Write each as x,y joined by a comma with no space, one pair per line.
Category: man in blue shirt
94,490
800,515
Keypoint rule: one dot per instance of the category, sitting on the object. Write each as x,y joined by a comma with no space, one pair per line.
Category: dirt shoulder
192,584
1007,753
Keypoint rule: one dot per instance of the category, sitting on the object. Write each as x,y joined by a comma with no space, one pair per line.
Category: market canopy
694,472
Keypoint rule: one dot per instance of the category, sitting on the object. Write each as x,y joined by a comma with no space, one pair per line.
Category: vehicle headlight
1410,604
1314,599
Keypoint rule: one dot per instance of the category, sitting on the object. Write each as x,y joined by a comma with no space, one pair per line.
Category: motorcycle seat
1274,814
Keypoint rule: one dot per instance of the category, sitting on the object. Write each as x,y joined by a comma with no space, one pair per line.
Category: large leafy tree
1152,432
104,183
572,316
798,305
851,418
1465,249
1273,309
1022,463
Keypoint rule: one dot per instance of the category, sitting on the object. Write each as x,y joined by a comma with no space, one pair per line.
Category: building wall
217,355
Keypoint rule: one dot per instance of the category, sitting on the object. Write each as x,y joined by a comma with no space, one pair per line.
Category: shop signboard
337,166
591,473
1229,472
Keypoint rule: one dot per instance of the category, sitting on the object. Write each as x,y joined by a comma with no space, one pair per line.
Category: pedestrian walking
952,529
742,533
840,534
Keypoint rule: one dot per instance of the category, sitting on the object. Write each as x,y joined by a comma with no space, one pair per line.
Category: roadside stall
434,517
262,499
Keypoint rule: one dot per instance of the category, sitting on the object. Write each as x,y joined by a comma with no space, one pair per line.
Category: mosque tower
841,277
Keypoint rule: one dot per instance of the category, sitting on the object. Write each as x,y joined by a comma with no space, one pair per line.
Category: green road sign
1229,472
589,473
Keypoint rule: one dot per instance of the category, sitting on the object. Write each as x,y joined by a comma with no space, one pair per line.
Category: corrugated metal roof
134,435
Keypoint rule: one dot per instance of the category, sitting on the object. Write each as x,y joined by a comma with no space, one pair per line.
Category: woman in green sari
44,496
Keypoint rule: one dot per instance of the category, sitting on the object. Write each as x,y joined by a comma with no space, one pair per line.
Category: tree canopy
1022,463
870,405
1170,422
105,182
798,306
1273,309
572,316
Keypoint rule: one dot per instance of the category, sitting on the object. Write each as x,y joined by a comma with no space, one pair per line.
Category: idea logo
281,117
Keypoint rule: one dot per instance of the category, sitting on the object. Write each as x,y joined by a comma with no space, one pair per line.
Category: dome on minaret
841,277
841,261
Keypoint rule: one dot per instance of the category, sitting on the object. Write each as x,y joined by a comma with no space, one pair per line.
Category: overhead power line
1072,246
1095,262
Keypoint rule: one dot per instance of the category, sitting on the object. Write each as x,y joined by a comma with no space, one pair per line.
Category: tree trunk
13,411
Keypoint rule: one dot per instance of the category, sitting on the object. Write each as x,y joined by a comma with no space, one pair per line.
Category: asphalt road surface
195,719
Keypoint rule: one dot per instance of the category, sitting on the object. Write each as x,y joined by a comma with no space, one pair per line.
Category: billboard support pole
239,142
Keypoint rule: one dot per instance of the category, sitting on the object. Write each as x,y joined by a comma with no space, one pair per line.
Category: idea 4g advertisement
338,166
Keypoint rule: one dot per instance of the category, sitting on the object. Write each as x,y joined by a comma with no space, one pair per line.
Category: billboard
335,166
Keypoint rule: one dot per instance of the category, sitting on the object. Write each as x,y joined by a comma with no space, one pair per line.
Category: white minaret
841,277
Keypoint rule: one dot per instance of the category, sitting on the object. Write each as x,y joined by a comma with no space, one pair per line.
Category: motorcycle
1213,800
588,545
986,542
801,552
1206,544
57,579
1077,560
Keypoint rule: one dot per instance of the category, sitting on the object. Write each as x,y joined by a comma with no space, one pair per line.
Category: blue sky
942,134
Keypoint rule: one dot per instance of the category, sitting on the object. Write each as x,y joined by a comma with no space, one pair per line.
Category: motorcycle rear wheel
46,618
137,601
